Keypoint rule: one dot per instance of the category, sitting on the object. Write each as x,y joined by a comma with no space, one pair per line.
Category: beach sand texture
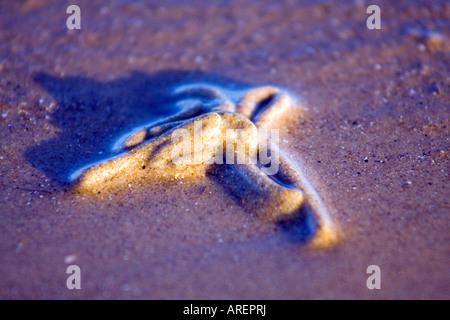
372,138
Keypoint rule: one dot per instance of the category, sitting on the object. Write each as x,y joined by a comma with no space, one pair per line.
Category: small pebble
70,258
429,38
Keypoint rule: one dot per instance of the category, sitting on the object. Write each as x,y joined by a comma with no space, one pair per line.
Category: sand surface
374,140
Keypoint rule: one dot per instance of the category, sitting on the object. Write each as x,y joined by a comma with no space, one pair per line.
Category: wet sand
374,141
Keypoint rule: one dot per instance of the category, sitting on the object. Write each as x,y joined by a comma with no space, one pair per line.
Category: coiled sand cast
220,128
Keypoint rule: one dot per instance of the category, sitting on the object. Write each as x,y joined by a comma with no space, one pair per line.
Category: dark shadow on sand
298,228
